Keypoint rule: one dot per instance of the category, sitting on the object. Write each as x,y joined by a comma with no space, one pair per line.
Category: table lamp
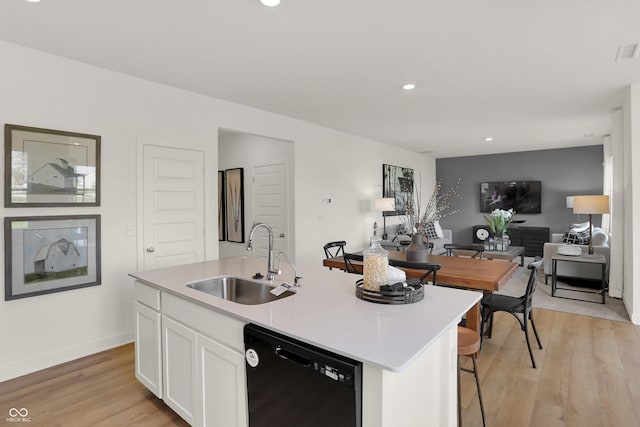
384,204
590,205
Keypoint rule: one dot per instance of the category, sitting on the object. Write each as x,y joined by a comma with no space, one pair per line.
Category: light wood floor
98,390
588,375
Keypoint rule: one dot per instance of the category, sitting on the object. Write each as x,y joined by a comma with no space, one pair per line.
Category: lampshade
385,204
590,204
569,202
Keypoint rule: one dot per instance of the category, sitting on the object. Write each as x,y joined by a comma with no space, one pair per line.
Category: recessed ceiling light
270,3
409,86
489,139
33,1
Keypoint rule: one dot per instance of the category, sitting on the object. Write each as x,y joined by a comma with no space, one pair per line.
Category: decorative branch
438,206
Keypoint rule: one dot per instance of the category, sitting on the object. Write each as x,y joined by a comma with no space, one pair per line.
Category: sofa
392,243
600,243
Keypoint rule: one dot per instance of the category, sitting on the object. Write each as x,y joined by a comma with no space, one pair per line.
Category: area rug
613,308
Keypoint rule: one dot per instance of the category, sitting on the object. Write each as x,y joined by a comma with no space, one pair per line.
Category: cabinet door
179,368
148,348
222,385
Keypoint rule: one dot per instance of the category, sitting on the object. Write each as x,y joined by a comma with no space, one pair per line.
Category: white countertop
325,311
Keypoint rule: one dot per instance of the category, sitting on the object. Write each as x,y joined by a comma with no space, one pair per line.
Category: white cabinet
191,357
148,348
222,385
180,362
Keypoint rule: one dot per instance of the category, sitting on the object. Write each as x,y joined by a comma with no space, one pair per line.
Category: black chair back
334,249
452,248
348,264
527,298
431,270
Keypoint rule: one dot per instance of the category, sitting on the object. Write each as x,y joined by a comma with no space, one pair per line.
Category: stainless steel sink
238,290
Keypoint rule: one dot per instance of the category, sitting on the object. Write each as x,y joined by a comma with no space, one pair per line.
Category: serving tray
407,295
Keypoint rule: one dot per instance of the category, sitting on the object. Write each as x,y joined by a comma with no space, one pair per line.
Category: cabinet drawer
217,326
147,295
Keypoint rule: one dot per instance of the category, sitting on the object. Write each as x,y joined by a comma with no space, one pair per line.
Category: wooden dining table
470,273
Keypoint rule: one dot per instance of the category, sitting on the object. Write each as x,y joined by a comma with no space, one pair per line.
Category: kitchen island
408,351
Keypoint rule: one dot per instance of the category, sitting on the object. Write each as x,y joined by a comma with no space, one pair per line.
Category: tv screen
524,197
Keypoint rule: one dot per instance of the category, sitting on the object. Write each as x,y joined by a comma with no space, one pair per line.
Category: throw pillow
599,237
580,238
579,227
431,232
436,225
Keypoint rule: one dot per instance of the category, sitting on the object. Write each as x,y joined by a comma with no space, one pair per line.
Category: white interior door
270,204
173,206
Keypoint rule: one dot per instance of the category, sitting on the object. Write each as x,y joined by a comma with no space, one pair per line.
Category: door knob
150,249
281,234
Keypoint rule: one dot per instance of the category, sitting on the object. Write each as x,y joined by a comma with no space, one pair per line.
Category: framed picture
46,254
44,167
221,211
234,204
397,182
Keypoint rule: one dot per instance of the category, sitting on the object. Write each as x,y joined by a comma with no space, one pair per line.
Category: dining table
484,275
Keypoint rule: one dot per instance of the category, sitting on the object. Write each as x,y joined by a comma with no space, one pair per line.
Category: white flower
499,220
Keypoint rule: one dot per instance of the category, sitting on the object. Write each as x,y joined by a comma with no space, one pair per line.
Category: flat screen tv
524,197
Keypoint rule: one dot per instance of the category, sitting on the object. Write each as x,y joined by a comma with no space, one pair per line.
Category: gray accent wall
562,172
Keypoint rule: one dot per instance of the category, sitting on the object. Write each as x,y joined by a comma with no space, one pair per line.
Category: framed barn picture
46,254
45,167
234,204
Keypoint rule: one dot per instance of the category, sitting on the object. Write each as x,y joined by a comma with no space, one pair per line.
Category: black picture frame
234,204
397,183
47,254
222,215
47,168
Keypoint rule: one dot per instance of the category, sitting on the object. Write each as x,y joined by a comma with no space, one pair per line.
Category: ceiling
530,74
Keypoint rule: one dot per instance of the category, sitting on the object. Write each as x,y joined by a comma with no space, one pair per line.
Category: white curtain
607,180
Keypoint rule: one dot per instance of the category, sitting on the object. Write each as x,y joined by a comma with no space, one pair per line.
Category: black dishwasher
294,384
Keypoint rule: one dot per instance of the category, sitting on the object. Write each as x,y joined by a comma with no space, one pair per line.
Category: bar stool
469,345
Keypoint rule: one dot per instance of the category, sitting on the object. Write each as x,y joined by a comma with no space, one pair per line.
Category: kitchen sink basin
238,290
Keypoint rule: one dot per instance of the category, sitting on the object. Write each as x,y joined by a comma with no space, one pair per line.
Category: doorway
268,189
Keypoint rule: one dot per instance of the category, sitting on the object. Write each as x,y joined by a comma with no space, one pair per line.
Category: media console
532,238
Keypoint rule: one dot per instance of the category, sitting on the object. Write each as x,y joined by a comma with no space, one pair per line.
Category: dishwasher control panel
333,373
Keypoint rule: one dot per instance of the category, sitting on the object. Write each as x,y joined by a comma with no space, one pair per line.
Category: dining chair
468,339
334,249
493,303
348,264
430,274
453,248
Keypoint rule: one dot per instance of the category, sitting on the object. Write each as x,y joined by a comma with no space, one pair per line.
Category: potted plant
498,223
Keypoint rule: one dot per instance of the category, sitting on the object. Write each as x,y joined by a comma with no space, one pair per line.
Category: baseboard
43,361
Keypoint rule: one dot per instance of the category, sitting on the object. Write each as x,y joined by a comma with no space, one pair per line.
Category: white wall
631,112
46,91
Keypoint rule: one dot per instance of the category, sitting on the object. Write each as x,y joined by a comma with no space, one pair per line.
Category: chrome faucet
296,279
271,271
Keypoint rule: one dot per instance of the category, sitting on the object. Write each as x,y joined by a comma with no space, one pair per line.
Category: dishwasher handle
290,355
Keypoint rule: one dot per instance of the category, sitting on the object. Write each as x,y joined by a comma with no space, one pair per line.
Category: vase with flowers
498,223
419,217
